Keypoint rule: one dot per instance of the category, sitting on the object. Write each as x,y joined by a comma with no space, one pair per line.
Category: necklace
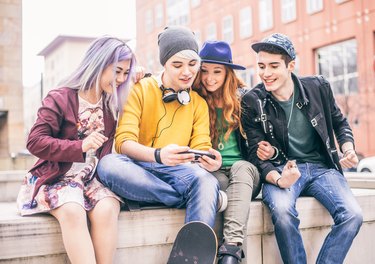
220,146
291,111
220,129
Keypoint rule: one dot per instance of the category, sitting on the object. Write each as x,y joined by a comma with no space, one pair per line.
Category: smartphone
199,153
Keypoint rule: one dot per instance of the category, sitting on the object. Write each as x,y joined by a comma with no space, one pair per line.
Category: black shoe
230,254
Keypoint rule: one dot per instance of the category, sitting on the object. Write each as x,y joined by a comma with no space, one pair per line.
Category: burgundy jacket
54,136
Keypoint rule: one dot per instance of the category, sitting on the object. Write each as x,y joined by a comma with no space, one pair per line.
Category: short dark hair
276,50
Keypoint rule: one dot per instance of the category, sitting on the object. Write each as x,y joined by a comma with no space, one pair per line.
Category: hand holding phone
199,153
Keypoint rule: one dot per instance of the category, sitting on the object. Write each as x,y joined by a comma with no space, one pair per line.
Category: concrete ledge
10,182
147,236
361,180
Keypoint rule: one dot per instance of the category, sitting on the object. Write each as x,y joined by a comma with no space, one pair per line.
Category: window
228,29
266,17
338,63
149,21
248,77
211,31
159,15
297,65
288,10
341,1
178,12
195,3
246,26
150,61
198,37
314,6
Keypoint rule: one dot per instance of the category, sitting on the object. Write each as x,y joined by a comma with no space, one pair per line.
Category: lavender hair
103,52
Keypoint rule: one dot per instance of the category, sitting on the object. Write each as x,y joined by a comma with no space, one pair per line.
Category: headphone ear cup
169,97
183,97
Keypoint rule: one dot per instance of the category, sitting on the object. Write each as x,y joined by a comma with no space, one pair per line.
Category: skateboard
195,243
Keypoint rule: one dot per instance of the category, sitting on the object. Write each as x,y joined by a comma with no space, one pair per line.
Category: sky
43,20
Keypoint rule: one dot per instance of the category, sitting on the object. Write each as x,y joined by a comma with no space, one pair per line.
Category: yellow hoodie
149,121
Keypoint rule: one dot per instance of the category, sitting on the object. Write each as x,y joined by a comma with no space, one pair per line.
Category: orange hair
231,104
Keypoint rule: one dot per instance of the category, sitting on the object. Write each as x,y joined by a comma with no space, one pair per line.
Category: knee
106,168
106,211
104,165
207,180
353,217
70,214
244,171
282,211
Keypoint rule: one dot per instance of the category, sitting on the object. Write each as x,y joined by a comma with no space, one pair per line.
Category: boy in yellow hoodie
162,119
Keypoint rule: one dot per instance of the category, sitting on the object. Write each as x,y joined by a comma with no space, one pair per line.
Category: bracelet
276,153
157,155
277,182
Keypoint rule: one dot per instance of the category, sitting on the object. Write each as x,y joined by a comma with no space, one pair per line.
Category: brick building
335,38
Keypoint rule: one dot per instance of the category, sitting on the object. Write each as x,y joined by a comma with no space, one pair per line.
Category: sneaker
230,254
222,202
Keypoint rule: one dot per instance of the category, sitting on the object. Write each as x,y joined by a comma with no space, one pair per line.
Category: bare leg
104,219
76,237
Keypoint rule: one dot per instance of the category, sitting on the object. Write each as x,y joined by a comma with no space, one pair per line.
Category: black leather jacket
264,119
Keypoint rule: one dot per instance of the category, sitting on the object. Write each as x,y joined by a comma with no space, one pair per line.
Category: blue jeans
180,186
330,188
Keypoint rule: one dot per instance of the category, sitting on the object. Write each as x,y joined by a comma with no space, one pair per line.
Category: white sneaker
222,202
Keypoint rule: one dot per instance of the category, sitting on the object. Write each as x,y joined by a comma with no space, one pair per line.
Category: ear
292,65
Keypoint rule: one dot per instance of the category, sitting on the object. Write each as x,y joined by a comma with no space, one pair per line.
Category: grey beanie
175,39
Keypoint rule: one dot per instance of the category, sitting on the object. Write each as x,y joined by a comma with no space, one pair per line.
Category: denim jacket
264,119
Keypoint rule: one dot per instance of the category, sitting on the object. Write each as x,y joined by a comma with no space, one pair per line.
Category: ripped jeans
331,189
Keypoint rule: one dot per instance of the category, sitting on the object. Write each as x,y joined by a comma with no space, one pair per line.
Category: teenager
162,119
74,129
218,83
300,119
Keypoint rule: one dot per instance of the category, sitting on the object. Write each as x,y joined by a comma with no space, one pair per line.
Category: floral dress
78,184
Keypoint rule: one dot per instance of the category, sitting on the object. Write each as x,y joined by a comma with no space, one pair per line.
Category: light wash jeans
180,186
330,188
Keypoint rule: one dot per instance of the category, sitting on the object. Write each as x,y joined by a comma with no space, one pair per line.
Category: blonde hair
188,54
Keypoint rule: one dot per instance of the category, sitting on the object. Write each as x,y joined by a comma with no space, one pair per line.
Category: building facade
61,56
334,38
12,136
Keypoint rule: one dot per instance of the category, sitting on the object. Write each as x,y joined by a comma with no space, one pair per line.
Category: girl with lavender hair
74,129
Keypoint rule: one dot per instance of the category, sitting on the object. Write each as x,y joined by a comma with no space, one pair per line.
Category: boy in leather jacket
298,118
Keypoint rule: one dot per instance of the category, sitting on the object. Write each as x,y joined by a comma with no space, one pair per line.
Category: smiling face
275,75
213,76
180,72
120,75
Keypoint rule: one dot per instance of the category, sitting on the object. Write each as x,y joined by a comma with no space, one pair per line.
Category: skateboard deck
195,243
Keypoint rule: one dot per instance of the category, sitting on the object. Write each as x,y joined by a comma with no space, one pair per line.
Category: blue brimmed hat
277,40
218,52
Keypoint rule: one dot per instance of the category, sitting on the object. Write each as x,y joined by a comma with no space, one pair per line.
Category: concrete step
361,180
10,182
147,236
